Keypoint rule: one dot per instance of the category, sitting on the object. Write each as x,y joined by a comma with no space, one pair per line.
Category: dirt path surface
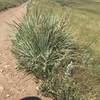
13,84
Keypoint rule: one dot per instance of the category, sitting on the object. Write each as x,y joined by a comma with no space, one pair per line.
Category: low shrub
44,47
41,43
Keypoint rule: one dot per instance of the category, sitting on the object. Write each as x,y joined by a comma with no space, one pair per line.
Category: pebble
1,89
7,95
15,67
37,88
6,66
1,70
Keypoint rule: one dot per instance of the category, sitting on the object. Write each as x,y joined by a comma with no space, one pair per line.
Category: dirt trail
13,84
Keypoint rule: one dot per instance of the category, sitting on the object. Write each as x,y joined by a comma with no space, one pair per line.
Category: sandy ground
13,84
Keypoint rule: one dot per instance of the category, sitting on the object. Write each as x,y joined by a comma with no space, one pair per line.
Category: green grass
83,22
5,4
84,17
85,5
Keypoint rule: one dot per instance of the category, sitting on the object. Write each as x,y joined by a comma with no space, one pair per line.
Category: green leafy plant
44,47
40,42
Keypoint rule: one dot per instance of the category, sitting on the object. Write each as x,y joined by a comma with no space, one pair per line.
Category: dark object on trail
31,98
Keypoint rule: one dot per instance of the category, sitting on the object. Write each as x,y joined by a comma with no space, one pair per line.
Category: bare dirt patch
13,84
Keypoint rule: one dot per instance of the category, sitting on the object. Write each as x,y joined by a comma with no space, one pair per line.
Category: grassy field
4,4
84,17
84,21
84,5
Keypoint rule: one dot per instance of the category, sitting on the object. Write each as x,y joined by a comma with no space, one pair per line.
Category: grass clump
60,86
44,47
